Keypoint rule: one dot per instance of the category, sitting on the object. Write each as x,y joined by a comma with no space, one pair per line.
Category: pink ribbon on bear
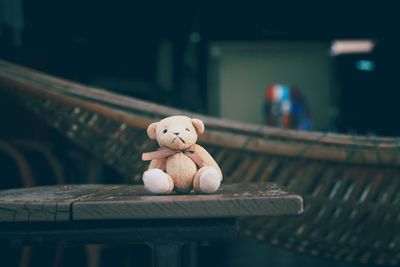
165,152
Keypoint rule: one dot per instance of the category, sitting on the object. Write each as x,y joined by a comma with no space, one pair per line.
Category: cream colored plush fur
178,172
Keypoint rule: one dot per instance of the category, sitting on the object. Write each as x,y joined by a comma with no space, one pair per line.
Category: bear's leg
207,180
157,181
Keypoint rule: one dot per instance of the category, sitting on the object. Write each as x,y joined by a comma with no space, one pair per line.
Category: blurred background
331,66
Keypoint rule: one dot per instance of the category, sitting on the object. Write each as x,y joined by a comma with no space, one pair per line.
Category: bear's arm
157,164
206,157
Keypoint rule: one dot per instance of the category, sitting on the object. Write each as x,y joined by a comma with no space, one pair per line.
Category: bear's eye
187,129
165,130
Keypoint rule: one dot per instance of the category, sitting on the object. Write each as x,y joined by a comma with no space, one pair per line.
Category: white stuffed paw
210,180
156,181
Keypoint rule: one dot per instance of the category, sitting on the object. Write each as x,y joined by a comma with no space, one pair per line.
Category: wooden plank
47,203
117,231
233,200
110,202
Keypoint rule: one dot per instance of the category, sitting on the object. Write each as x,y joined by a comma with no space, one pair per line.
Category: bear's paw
157,181
210,181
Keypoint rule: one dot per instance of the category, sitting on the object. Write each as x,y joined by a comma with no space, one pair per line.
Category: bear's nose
176,133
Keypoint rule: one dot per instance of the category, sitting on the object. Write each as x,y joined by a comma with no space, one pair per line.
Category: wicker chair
351,184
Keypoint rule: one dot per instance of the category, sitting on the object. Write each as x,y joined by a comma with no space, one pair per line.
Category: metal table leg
167,255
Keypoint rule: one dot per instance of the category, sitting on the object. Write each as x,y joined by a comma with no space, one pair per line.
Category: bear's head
176,132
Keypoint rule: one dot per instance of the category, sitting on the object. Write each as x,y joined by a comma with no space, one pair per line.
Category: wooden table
82,214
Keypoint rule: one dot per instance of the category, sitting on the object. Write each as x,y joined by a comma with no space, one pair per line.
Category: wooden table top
110,202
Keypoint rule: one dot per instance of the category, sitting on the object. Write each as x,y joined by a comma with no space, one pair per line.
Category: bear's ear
151,130
199,125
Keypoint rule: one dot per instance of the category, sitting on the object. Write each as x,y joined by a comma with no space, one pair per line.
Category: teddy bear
179,164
